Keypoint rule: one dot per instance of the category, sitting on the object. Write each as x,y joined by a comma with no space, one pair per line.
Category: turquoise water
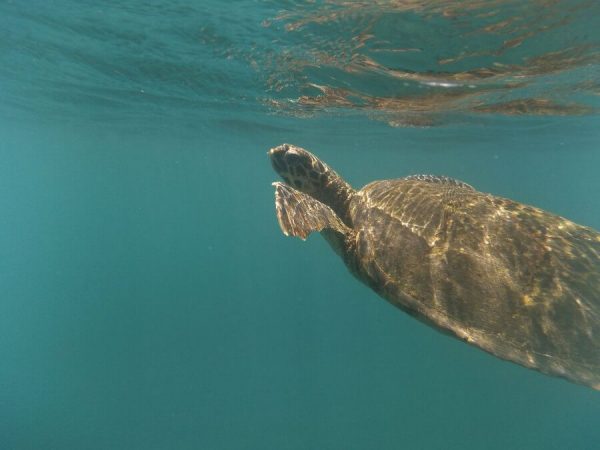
149,299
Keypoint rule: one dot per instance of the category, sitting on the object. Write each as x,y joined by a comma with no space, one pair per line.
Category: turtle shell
514,280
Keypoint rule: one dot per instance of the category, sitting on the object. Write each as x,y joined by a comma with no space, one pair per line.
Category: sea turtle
511,279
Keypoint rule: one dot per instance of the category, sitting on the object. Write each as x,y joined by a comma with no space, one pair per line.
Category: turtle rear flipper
300,214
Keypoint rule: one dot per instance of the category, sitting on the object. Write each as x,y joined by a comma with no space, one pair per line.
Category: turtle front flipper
299,214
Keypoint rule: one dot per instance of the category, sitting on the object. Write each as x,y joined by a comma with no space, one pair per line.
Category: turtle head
299,168
305,172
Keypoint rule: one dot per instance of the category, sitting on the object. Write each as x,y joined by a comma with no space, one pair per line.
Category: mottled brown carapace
516,281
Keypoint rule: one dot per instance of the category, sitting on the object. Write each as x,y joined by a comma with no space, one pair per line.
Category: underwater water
148,297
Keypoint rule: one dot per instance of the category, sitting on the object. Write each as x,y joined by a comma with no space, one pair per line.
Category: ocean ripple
425,62
408,63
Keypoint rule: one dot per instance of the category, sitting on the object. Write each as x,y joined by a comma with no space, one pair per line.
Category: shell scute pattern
442,179
488,262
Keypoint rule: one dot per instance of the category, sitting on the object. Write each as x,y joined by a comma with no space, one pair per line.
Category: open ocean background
148,299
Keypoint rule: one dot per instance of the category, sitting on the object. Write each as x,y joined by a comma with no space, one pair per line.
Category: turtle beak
280,150
287,152
289,160
277,157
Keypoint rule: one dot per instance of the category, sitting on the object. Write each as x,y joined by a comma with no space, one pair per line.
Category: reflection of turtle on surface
516,281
